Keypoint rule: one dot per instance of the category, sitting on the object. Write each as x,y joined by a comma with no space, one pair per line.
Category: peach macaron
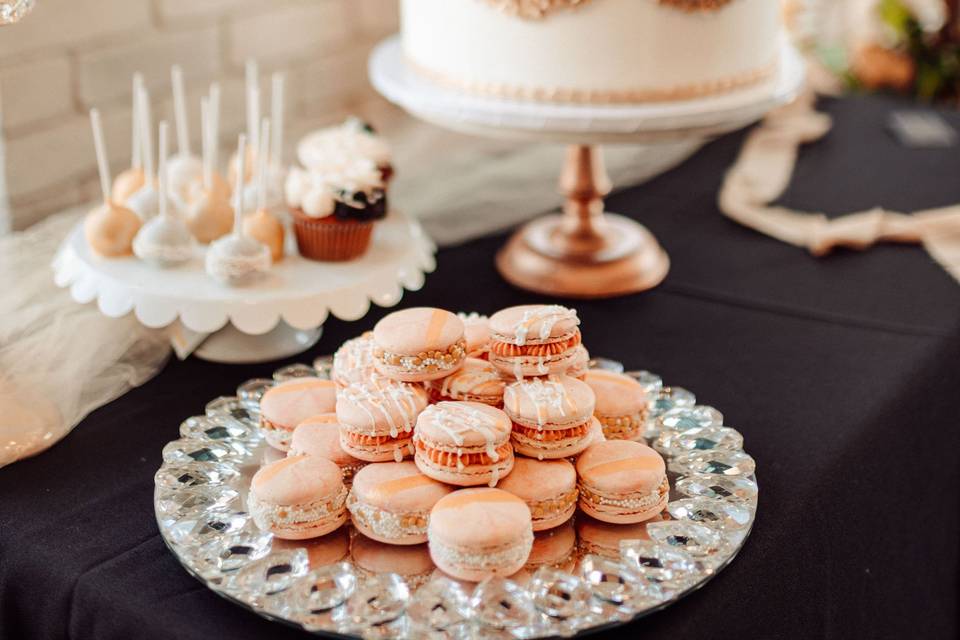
476,381
320,436
621,404
549,487
289,403
534,340
377,418
552,418
353,361
419,344
463,443
476,333
480,532
298,498
391,501
622,482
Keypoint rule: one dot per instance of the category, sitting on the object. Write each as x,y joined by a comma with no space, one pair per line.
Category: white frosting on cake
596,51
315,192
326,148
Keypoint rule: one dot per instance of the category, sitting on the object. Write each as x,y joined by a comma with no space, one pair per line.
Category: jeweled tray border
201,528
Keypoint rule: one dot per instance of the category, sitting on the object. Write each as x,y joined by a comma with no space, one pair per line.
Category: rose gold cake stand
583,252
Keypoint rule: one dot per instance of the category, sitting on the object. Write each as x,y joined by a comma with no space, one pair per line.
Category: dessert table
840,372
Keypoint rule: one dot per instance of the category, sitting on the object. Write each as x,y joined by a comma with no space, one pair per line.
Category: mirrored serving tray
581,576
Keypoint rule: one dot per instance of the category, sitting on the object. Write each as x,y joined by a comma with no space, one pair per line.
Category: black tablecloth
842,374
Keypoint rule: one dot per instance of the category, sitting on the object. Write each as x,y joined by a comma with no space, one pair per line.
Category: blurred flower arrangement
908,46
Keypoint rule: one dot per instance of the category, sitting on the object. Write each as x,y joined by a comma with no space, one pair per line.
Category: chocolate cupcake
334,212
322,150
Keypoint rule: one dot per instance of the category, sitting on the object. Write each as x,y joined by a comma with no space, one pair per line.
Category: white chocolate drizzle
549,397
457,420
375,396
467,381
548,316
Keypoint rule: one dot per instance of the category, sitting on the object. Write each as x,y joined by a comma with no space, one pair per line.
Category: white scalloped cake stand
246,322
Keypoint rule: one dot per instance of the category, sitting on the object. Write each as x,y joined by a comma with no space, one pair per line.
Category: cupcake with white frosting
334,210
324,149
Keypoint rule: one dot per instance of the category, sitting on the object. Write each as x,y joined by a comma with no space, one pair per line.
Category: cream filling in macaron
271,516
387,524
512,554
448,359
633,502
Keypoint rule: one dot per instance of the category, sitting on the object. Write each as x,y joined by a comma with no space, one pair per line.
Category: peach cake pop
209,215
130,180
235,259
164,240
183,168
262,225
111,227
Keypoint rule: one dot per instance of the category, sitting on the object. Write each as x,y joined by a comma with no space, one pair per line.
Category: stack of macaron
434,419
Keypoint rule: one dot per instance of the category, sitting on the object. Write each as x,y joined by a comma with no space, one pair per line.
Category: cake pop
235,259
145,201
129,181
209,215
111,227
253,126
184,167
164,240
263,226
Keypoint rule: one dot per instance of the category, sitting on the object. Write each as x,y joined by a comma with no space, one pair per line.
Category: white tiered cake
593,51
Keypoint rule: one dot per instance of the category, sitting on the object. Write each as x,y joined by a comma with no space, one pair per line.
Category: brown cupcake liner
331,241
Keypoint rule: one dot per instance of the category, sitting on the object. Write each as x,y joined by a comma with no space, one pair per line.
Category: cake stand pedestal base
583,252
232,346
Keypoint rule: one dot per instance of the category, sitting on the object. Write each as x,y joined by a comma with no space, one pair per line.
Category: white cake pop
164,240
184,167
129,181
262,225
236,259
209,215
145,202
111,227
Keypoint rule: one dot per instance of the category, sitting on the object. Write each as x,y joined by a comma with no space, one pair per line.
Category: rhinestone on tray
194,474
233,552
673,443
216,427
618,589
323,366
322,590
654,562
733,489
187,450
172,506
502,604
250,392
437,607
606,364
651,382
377,600
272,574
559,594
718,514
696,539
719,463
233,407
200,527
671,398
681,419
292,371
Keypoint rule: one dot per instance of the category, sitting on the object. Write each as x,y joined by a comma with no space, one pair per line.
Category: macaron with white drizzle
552,418
464,443
377,418
534,340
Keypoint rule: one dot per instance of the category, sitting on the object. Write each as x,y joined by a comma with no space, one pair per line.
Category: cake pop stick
238,186
214,124
255,120
276,117
145,201
129,181
110,228
209,215
180,110
262,225
162,177
205,142
252,82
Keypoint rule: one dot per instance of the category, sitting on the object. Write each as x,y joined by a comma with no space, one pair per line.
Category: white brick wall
69,55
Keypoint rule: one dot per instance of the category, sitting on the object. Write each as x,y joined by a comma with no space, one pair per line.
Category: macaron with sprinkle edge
476,381
549,487
391,502
621,405
320,436
480,532
464,443
419,344
298,498
622,482
289,403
